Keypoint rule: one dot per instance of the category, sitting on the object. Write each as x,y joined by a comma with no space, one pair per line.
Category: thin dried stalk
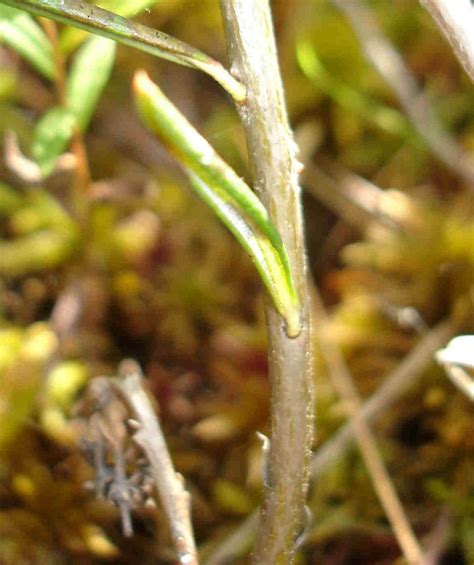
353,198
438,538
169,483
394,386
343,383
272,153
455,18
390,65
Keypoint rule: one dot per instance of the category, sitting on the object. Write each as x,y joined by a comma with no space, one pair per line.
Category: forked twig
438,538
354,199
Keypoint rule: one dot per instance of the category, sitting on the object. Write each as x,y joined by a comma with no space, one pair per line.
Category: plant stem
394,386
272,154
102,22
51,31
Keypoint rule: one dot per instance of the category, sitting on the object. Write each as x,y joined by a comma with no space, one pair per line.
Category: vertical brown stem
272,154
51,31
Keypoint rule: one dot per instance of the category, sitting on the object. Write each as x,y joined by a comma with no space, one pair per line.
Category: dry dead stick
344,385
169,484
272,154
352,198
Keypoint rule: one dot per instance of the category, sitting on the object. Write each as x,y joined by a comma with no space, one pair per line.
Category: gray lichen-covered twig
169,484
113,408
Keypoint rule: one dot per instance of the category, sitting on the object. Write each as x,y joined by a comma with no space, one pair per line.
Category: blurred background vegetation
106,254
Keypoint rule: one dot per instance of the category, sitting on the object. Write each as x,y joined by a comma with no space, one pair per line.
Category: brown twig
51,30
169,484
272,153
389,64
343,382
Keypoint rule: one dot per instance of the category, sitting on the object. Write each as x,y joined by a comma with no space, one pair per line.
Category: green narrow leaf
371,110
51,137
90,72
72,37
20,32
107,24
37,251
87,78
266,258
226,193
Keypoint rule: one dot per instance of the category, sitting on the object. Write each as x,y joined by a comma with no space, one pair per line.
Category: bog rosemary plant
215,182
267,223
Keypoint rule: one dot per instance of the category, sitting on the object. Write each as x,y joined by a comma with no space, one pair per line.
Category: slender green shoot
385,118
226,193
20,32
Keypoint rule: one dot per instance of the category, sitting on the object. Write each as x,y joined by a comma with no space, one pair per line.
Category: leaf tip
293,323
141,82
